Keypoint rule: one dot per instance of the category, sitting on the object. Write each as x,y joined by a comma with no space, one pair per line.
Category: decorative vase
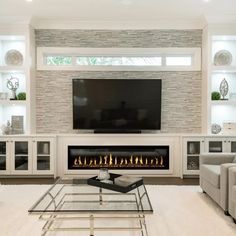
192,148
103,174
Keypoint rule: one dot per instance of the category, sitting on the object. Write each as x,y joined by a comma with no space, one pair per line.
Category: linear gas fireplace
118,157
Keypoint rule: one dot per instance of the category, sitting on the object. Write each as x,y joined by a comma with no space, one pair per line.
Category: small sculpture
224,88
13,85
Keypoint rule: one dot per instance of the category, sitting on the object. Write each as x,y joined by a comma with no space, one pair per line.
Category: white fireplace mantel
173,141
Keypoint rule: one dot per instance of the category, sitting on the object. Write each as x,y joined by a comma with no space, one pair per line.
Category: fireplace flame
108,161
111,160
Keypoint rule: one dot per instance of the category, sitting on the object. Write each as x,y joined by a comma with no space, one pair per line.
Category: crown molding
222,19
116,25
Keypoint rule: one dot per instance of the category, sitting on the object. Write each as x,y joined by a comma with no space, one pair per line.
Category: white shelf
224,69
11,69
224,102
12,102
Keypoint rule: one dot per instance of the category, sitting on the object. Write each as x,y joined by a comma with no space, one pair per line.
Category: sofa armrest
216,158
232,177
224,183
232,183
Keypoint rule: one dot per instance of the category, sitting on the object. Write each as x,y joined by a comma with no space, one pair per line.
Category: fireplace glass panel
118,157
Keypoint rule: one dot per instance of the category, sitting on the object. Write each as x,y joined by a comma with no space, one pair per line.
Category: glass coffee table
71,204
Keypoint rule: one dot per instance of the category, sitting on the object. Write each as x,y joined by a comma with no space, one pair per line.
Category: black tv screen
117,104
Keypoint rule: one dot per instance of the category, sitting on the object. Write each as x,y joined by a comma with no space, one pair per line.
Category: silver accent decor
223,58
215,129
13,58
224,88
13,85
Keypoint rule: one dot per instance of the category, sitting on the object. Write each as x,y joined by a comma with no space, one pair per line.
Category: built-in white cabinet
21,156
193,147
43,155
4,156
218,145
27,156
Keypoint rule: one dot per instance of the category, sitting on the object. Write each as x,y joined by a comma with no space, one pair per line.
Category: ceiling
119,10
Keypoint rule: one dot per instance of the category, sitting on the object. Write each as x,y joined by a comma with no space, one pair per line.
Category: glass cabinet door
233,146
193,152
192,149
215,146
21,156
3,156
43,155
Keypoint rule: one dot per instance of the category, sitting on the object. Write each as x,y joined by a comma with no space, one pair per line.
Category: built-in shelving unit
222,111
19,40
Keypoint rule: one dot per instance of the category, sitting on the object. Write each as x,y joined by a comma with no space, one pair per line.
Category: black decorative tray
96,182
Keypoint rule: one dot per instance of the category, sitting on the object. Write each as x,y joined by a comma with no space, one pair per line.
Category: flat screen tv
117,105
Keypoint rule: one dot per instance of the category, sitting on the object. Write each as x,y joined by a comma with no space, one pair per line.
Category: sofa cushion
234,160
234,194
211,173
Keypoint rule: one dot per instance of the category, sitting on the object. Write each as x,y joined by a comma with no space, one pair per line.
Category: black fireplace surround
118,157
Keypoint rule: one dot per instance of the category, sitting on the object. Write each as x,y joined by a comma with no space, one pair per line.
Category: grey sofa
232,193
214,176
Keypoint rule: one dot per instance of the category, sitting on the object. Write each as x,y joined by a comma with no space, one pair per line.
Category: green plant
21,96
215,95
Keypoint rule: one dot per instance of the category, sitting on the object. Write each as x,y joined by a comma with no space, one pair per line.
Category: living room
118,117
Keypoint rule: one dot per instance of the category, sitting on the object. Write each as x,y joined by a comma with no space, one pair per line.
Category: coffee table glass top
75,196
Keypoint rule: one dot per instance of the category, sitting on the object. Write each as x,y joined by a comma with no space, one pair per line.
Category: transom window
119,61
130,59
179,61
58,60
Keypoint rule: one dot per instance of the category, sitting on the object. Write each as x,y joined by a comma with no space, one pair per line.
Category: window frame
43,52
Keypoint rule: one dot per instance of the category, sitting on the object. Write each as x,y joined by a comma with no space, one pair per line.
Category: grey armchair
214,176
232,193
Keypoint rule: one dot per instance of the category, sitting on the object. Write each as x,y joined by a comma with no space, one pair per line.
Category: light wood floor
147,180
